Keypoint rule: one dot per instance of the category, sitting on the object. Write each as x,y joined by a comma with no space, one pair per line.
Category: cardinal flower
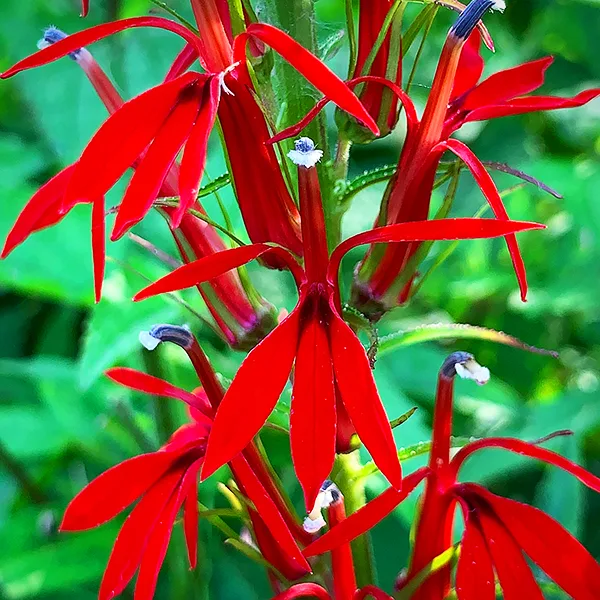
329,359
156,125
162,482
241,315
498,531
454,99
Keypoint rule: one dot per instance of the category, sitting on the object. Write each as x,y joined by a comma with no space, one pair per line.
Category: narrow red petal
366,517
312,414
183,61
252,395
115,489
357,388
303,590
470,66
93,34
190,523
142,382
488,187
207,268
421,231
515,576
122,139
85,7
315,71
47,198
131,542
194,155
411,111
533,451
151,171
549,545
508,84
158,542
475,572
268,512
98,245
519,106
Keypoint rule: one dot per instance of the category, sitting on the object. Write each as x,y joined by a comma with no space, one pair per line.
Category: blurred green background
62,423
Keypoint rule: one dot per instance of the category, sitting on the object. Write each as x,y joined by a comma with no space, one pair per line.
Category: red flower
242,318
163,482
498,530
154,126
454,99
330,360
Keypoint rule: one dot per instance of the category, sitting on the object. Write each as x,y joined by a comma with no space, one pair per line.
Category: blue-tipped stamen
51,36
304,153
176,334
469,17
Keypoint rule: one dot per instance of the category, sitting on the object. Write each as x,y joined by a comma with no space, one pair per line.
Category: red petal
529,104
45,202
151,171
194,155
421,231
316,72
131,542
513,572
470,66
367,517
488,187
187,437
312,415
93,34
156,548
183,61
207,268
115,489
252,395
303,590
122,139
142,382
98,245
549,545
190,524
268,512
531,450
354,380
475,573
411,112
85,7
508,84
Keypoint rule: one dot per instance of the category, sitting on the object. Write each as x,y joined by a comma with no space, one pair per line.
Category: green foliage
62,423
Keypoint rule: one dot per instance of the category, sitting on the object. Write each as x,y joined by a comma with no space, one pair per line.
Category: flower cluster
291,209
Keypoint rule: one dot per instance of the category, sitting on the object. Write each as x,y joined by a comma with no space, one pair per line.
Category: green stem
345,471
18,471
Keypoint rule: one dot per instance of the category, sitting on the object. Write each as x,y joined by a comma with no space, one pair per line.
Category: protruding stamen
221,77
176,334
305,154
328,495
51,36
472,14
465,366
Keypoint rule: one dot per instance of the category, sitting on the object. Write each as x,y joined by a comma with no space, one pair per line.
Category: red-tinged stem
314,235
98,78
206,374
218,52
342,564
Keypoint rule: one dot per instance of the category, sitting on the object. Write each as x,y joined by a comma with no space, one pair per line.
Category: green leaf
365,180
115,323
444,331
